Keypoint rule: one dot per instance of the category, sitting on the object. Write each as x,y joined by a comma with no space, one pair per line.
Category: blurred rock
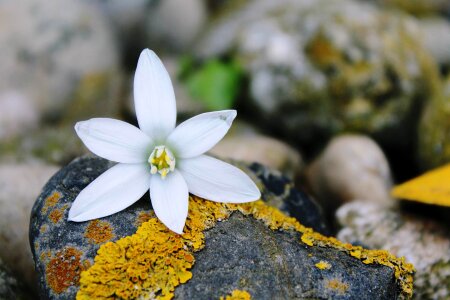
18,114
174,24
351,167
52,50
436,36
328,66
419,7
262,149
423,242
11,287
20,184
434,130
57,144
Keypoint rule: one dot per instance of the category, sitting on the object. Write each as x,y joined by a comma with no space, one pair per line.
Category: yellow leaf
432,188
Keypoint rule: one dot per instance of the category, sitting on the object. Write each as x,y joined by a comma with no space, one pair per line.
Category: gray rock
20,184
62,249
321,67
351,167
54,51
423,242
244,254
11,287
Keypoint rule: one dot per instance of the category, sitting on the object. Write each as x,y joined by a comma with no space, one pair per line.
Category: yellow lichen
432,188
51,201
237,295
323,265
337,285
152,262
99,232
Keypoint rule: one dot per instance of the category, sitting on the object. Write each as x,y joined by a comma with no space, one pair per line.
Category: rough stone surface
316,68
423,242
56,51
10,287
242,253
351,167
20,184
62,249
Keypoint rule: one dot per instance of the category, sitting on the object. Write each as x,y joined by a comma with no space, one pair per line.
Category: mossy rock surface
325,67
253,247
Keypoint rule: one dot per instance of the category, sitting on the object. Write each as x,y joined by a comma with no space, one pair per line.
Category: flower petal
111,192
154,98
114,140
200,133
170,198
218,181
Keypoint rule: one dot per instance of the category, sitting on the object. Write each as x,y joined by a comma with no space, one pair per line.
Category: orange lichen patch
56,215
43,228
64,269
237,295
323,265
431,188
51,201
144,217
122,268
99,232
337,285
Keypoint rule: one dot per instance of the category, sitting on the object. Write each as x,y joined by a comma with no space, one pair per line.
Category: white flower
167,160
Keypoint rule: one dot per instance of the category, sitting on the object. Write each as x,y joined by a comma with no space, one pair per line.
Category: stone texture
317,68
423,241
242,253
20,184
10,287
57,51
351,167
63,249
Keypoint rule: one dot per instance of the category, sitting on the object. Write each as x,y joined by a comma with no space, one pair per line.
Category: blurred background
345,97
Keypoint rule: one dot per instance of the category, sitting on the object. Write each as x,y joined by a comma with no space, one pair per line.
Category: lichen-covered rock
11,287
63,249
434,131
419,7
57,51
436,34
20,184
351,167
423,242
320,67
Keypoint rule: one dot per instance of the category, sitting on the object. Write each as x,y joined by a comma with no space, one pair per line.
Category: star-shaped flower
167,160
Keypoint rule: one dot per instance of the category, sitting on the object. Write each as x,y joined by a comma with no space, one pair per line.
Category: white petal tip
229,116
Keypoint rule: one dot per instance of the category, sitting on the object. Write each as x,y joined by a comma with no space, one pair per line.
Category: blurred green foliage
215,83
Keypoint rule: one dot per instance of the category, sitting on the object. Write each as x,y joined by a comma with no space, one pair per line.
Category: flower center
161,161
